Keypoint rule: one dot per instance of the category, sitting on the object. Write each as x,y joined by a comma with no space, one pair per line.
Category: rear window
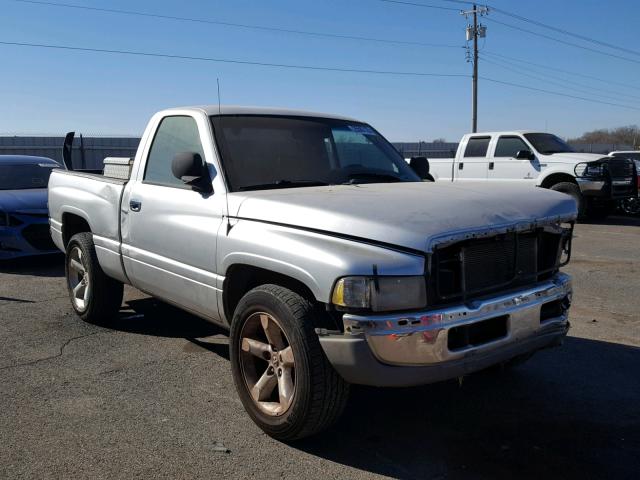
477,147
24,177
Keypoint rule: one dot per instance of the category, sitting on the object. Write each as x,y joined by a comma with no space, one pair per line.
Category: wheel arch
72,224
240,278
557,177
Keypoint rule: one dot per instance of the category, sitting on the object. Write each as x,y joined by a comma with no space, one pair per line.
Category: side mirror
420,165
525,155
188,167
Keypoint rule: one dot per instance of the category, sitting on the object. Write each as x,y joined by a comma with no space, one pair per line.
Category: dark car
24,223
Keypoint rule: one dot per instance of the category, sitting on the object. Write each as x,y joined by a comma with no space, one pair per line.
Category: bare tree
629,135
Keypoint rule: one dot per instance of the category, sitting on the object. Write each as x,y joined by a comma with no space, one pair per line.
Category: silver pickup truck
327,256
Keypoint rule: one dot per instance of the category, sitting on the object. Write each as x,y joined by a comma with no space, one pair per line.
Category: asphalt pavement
151,396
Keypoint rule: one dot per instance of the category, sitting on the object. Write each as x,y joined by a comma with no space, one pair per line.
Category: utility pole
474,31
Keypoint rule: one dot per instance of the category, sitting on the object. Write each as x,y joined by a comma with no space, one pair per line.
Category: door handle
491,165
460,166
135,205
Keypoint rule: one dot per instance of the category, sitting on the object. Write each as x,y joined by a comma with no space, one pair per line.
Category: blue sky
52,91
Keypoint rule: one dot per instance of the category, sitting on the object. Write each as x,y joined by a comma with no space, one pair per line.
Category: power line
565,32
567,72
236,25
560,94
547,26
301,67
229,60
423,5
565,82
563,41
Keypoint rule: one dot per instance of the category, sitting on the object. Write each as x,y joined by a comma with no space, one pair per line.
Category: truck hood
413,216
24,201
572,157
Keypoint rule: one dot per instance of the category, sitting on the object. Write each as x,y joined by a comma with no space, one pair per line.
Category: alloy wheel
267,363
78,278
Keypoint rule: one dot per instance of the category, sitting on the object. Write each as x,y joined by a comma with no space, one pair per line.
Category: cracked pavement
151,396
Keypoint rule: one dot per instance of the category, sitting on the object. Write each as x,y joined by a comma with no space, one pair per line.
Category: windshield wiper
374,175
284,184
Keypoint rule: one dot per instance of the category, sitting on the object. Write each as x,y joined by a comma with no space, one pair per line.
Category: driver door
170,230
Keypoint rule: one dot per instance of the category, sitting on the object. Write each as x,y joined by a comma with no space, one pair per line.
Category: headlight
587,169
380,294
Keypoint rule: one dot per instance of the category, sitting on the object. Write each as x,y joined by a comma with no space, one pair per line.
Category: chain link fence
89,152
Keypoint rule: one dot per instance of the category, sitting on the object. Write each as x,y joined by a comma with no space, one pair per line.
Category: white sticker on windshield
363,129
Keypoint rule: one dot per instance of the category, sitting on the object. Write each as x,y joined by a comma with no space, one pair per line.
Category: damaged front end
492,295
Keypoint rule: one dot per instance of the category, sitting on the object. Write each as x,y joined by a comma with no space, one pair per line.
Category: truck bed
94,199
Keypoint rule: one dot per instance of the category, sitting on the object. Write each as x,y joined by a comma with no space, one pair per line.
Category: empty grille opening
553,309
38,236
478,333
478,267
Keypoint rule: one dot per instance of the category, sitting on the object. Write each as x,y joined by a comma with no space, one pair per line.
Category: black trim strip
368,241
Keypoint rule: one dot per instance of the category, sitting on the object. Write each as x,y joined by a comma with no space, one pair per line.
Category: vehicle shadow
571,412
149,316
615,220
40,265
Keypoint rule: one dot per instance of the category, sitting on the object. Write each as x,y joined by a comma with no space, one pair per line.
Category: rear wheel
94,296
282,376
574,191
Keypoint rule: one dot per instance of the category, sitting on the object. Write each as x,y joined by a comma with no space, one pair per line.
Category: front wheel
630,206
282,376
94,296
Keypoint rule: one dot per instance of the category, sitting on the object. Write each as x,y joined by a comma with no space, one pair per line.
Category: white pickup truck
543,160
326,255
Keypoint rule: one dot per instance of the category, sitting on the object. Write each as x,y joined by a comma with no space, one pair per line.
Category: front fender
315,259
553,170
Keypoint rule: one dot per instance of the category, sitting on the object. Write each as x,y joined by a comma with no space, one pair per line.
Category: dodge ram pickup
324,253
529,158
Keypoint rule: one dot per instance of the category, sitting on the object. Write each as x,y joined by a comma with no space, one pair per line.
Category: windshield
548,144
22,177
260,152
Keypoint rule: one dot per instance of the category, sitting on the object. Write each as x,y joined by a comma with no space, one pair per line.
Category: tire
573,190
101,295
630,206
308,395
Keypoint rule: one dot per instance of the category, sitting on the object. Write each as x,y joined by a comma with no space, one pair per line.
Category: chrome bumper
421,339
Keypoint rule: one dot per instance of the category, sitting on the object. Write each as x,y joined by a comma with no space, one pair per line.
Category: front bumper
416,348
31,237
615,189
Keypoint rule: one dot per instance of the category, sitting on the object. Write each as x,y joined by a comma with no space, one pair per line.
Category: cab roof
503,132
214,110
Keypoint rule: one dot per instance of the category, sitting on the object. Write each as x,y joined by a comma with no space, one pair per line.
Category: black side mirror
420,165
525,155
189,167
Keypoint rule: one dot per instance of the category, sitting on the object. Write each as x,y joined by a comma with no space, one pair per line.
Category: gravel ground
152,396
